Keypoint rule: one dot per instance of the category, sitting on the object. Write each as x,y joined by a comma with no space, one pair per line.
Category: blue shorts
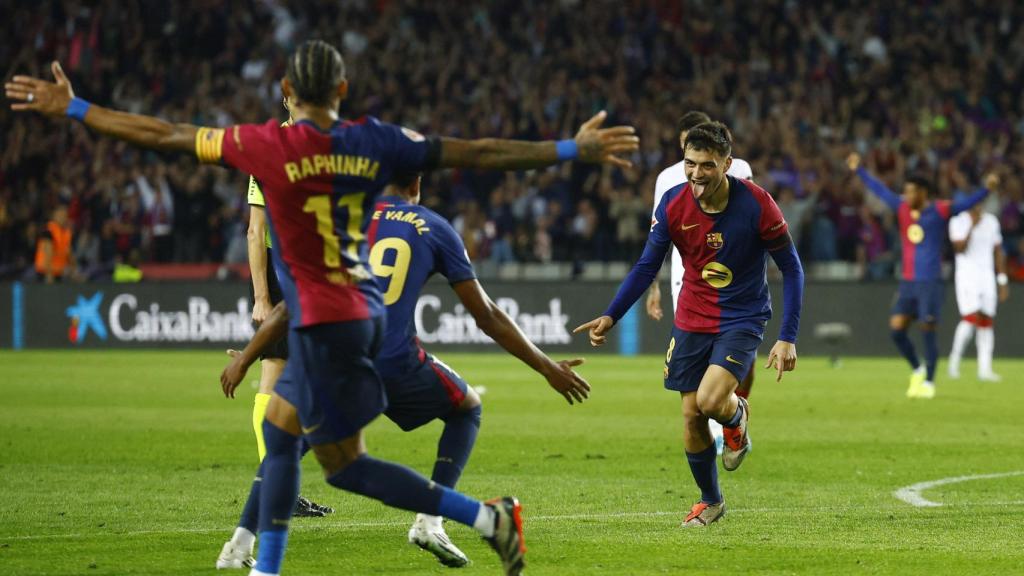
920,299
431,390
330,378
690,353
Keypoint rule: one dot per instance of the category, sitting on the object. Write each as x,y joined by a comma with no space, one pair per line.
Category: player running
671,177
980,275
409,244
320,179
724,228
922,223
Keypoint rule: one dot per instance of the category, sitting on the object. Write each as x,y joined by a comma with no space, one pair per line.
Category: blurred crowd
932,87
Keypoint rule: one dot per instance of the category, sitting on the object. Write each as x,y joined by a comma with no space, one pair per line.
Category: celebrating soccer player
321,178
409,243
724,228
980,276
671,177
922,225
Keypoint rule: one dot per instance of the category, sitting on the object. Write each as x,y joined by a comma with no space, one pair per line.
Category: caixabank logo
135,318
85,317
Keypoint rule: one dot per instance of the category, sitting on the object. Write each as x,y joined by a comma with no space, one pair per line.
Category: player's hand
853,161
992,181
233,375
260,310
49,98
782,358
602,145
1004,293
566,381
597,329
653,302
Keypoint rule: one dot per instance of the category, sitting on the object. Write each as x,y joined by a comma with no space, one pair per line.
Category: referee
265,292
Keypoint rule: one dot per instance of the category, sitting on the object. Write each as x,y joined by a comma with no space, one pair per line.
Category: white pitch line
912,494
321,525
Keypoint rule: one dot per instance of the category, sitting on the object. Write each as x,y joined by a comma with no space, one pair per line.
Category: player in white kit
670,177
980,282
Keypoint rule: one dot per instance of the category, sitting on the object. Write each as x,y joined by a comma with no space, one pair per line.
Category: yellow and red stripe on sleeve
209,144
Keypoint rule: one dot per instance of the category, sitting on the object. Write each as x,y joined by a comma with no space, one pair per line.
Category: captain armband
209,144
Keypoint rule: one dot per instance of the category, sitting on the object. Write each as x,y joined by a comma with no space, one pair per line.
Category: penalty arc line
322,526
912,494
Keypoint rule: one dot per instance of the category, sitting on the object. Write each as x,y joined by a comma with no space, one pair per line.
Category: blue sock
277,495
931,353
455,445
736,418
906,347
400,487
704,467
251,511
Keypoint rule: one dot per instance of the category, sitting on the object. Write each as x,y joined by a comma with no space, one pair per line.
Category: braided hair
315,69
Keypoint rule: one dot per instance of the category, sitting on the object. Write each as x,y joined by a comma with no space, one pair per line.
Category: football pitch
133,463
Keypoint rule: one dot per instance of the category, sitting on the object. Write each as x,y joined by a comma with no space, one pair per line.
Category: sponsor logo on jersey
915,233
717,275
686,227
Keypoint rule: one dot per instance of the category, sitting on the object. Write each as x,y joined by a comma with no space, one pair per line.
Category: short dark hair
713,136
315,69
922,182
404,179
690,119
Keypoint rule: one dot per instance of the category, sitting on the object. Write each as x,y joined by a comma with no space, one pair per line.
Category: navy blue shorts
431,390
331,380
690,353
920,299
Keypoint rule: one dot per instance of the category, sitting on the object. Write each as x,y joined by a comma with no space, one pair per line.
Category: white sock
429,521
929,383
243,538
484,523
919,370
986,343
255,572
964,331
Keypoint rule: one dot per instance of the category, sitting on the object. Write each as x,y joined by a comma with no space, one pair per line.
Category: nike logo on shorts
729,358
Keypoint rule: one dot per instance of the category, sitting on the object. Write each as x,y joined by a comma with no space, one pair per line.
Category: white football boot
428,533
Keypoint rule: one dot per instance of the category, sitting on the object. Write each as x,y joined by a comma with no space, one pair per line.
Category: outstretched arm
57,100
496,324
592,144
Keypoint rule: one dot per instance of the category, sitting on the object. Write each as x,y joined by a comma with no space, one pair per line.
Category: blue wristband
77,109
566,149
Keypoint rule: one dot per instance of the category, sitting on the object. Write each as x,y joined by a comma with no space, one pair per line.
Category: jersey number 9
397,271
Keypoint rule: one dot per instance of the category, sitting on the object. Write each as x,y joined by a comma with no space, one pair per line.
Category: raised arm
57,100
592,144
991,184
496,324
877,187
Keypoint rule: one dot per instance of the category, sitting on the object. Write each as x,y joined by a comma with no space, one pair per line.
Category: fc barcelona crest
715,240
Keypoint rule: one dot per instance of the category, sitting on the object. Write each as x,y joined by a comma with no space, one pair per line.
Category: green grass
132,463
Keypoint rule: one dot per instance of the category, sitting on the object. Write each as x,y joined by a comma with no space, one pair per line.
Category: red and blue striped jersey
320,187
725,256
923,231
409,244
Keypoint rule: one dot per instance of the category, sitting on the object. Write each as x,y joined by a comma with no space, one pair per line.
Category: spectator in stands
54,260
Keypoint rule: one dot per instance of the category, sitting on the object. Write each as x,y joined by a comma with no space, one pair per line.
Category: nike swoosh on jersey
684,227
729,358
310,430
